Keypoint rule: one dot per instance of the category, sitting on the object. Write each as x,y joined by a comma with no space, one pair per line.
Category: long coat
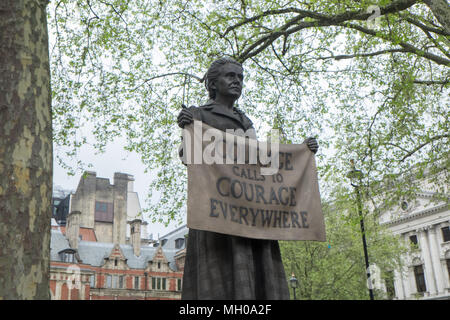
225,267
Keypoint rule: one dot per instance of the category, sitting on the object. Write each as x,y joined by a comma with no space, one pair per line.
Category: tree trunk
25,150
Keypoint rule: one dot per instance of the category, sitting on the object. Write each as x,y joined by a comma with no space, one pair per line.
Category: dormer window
67,255
179,243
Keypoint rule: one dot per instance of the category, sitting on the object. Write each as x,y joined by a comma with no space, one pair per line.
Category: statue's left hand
312,144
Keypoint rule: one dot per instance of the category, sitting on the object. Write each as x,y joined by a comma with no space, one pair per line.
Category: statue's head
214,72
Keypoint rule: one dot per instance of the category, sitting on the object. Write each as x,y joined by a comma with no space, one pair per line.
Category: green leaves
374,93
335,269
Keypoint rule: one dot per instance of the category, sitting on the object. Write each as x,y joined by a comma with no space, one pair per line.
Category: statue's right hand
184,117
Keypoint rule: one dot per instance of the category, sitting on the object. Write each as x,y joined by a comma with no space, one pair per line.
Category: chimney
73,228
120,203
135,235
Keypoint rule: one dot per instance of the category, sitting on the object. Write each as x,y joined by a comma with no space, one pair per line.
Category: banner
240,186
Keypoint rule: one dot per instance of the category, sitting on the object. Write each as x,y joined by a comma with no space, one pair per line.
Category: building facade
102,250
425,225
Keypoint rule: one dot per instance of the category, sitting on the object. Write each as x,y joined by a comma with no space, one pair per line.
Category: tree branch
408,47
321,20
410,153
350,56
167,75
431,82
425,27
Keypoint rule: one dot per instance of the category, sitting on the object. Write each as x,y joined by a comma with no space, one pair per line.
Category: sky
115,159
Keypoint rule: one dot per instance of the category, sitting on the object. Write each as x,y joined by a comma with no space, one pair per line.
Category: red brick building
83,268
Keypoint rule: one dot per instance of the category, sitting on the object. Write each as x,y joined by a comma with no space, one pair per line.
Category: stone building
102,251
424,223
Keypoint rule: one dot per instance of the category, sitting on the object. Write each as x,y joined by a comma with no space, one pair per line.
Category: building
101,250
60,204
176,240
424,224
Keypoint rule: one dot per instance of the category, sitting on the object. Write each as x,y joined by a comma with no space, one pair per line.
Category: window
92,281
108,281
159,265
413,239
158,283
163,242
179,284
448,267
136,282
446,234
115,262
121,282
104,211
404,205
420,279
67,255
179,243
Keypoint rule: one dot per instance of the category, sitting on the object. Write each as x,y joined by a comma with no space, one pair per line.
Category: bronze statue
220,266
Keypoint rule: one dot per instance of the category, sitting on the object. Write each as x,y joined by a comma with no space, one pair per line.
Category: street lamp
294,283
355,177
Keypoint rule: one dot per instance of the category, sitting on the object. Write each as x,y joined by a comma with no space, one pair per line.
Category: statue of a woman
220,266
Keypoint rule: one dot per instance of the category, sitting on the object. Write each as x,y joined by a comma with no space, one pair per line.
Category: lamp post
355,180
294,282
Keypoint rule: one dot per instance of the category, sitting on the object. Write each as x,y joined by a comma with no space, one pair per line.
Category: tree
336,269
372,90
25,151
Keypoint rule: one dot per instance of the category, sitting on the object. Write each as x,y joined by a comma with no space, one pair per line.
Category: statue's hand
312,144
185,117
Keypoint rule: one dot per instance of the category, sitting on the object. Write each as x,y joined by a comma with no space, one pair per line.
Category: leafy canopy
372,90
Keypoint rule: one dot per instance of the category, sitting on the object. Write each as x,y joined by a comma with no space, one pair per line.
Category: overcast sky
115,159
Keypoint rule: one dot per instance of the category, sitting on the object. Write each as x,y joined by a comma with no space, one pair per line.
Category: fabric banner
270,191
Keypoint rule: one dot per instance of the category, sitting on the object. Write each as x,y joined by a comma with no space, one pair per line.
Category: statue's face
229,84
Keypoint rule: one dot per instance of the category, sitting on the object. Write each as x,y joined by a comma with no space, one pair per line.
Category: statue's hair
213,73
